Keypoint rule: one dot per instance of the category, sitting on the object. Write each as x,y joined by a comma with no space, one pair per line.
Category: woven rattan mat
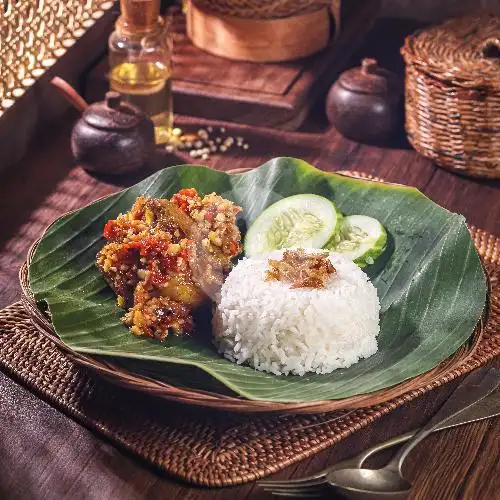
202,446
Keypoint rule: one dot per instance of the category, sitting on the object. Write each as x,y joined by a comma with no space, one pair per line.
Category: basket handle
490,48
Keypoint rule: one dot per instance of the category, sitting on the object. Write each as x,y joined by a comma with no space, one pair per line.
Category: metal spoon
389,482
314,485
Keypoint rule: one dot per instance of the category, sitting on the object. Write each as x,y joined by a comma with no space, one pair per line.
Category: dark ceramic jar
364,104
113,137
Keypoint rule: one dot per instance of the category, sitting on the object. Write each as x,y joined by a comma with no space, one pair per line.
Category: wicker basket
444,371
453,94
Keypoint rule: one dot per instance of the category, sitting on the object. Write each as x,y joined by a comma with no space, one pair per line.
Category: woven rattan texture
453,94
204,447
261,9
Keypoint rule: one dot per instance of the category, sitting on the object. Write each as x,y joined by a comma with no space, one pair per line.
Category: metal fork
315,485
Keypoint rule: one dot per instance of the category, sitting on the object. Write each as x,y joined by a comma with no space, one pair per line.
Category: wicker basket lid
465,51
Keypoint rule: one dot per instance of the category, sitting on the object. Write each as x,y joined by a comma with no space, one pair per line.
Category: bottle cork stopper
139,16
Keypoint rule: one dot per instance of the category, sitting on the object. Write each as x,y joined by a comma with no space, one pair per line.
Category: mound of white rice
281,330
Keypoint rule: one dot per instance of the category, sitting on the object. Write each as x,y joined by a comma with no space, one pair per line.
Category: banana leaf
430,283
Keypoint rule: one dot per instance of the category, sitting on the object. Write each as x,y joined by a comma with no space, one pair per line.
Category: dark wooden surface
46,455
276,94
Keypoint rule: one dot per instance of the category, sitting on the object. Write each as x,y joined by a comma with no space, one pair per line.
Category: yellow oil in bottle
148,85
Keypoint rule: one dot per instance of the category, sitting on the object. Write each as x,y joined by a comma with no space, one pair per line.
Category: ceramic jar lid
113,114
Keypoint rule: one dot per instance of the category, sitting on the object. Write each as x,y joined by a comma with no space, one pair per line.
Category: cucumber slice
363,239
303,220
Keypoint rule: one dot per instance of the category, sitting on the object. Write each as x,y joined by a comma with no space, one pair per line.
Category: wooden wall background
434,10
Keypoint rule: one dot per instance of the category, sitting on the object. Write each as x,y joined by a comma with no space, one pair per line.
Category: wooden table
45,454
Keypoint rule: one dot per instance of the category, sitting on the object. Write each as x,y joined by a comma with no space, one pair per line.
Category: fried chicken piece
165,258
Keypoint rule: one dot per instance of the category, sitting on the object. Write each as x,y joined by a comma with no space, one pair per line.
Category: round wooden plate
158,388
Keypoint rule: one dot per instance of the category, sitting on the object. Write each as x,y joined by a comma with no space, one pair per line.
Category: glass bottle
140,62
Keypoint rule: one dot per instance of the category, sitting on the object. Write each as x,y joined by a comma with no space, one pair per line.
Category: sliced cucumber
363,239
303,220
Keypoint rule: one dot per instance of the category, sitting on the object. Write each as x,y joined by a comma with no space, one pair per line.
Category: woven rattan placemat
202,446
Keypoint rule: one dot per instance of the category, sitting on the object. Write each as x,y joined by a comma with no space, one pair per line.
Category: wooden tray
267,94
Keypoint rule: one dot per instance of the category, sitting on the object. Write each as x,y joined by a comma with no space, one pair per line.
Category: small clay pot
113,137
364,104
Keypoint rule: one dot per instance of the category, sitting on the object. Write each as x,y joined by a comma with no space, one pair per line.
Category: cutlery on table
481,403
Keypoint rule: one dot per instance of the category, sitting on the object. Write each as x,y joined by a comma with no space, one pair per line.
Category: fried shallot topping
301,269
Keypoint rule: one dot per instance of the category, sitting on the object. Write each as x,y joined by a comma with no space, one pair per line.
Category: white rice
281,330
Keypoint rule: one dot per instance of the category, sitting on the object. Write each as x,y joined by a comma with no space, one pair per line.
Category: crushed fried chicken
164,258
